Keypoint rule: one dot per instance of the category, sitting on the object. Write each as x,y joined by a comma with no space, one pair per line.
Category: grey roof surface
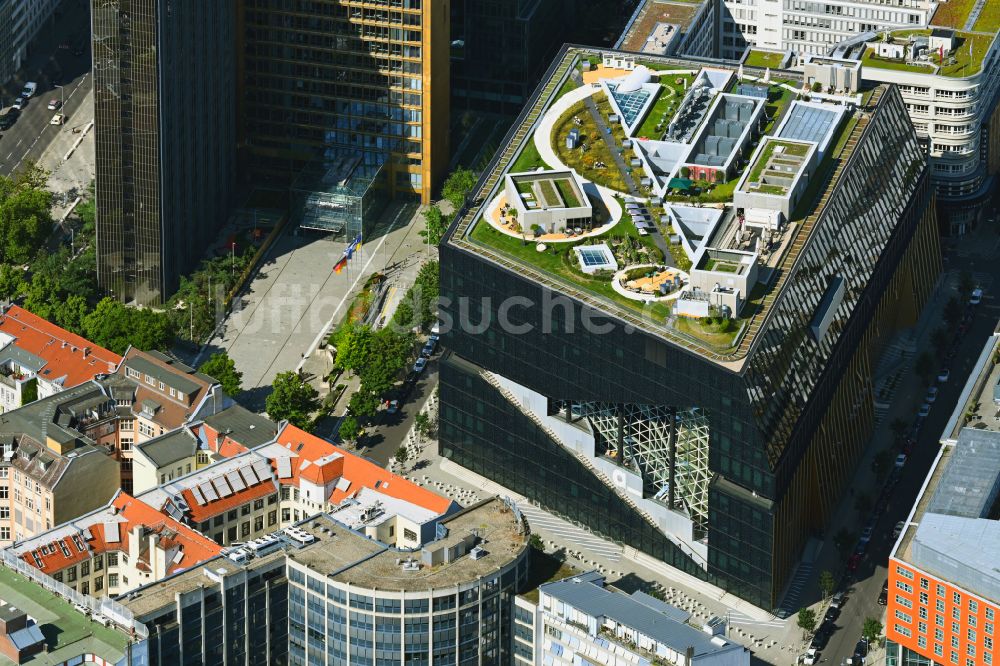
248,428
174,378
807,123
170,447
25,638
963,551
589,596
971,482
22,357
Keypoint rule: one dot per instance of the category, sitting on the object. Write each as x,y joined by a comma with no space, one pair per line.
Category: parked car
944,375
977,296
428,349
20,103
900,460
898,529
854,562
54,104
860,651
57,119
866,534
436,328
883,597
931,396
837,601
924,410
30,88
435,338
810,657
419,366
393,407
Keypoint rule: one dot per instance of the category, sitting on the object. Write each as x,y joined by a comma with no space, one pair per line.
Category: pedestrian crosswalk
567,534
736,617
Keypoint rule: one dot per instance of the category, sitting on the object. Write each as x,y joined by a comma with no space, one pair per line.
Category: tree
826,583
422,422
458,185
807,620
435,224
925,366
349,429
116,327
12,282
871,630
291,399
402,455
25,217
952,311
817,87
363,403
536,542
940,340
223,369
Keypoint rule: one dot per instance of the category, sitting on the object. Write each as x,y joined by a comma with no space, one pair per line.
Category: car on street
837,601
419,366
924,410
54,104
810,657
866,534
57,119
436,328
854,562
428,349
931,396
30,88
900,460
898,529
944,375
20,103
393,407
883,597
7,117
860,651
977,296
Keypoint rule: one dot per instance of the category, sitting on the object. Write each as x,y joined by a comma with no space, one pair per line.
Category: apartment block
165,137
944,588
329,83
39,359
121,546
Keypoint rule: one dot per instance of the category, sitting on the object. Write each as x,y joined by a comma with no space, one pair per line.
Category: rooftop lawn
797,149
717,335
872,60
666,104
953,13
565,188
720,266
584,161
778,100
763,59
989,19
549,194
967,61
528,160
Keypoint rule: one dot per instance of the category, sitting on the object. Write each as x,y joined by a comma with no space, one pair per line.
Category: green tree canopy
25,215
349,429
826,583
435,224
223,369
114,326
458,185
871,630
807,620
291,398
12,282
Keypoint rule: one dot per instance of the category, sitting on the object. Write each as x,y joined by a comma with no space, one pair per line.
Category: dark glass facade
324,80
787,424
501,47
165,127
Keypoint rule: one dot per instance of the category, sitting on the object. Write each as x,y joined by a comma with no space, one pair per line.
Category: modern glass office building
165,134
321,79
719,461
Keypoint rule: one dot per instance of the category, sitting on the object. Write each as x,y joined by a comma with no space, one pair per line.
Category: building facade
20,22
165,136
325,81
944,589
720,464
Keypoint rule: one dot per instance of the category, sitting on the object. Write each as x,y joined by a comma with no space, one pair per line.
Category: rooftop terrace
550,267
965,59
777,166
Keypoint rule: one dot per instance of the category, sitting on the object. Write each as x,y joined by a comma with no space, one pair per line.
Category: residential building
806,27
500,48
955,109
944,588
369,90
42,624
39,359
324,593
20,21
121,546
55,463
717,450
581,618
165,136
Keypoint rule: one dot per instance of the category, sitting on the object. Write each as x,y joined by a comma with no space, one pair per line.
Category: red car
854,562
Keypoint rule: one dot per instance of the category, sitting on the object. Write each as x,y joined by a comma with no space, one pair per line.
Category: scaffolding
647,435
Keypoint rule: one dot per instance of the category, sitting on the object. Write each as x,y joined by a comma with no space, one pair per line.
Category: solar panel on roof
249,475
198,497
222,487
208,491
111,532
284,468
593,257
263,470
235,481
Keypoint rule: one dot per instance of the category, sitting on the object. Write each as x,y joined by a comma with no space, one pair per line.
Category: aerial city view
500,332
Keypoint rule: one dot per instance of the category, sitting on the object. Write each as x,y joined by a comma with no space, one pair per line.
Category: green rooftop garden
666,104
593,148
721,266
966,59
765,159
549,194
763,59
953,14
567,193
989,19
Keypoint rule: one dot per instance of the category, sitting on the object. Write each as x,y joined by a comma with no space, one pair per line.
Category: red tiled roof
227,447
202,512
64,352
357,470
129,512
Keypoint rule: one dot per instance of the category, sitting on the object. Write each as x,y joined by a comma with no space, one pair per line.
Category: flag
353,247
339,266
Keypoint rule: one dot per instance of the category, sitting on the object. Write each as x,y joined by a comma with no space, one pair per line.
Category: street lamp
62,98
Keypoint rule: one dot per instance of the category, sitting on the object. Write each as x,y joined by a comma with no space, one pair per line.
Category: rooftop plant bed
796,149
667,103
989,19
953,13
720,266
583,161
549,194
778,100
529,159
715,331
763,59
565,188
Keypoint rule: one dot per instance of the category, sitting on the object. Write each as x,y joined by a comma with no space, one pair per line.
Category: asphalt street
49,66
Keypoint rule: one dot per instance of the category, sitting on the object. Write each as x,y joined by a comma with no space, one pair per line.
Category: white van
30,88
